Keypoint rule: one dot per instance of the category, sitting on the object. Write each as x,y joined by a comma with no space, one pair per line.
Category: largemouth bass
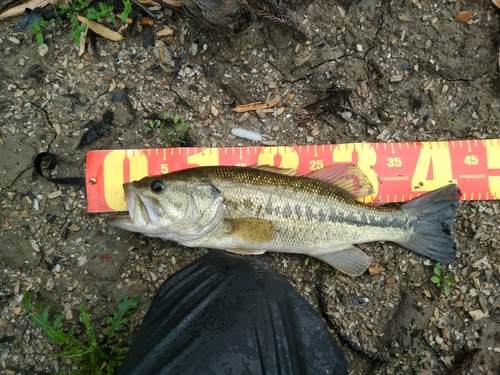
253,210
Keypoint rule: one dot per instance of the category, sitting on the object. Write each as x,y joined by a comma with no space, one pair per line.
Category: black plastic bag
227,314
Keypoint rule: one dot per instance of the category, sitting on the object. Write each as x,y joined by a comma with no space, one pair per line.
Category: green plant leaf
436,280
447,289
27,302
121,316
306,261
449,279
127,4
89,327
39,38
437,269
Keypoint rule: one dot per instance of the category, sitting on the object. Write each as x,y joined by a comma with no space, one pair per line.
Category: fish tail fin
431,223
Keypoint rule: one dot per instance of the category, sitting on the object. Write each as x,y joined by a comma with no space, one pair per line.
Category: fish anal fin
243,251
346,177
349,260
252,230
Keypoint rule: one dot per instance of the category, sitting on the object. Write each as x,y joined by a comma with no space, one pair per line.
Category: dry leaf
256,106
20,9
83,38
477,314
429,84
496,2
215,112
375,270
463,16
101,30
146,21
165,32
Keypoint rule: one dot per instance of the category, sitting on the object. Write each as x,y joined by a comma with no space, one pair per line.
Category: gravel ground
392,71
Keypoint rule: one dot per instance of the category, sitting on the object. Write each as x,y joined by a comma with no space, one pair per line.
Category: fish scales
326,216
254,210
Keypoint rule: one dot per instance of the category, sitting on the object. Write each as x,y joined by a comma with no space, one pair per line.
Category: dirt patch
392,71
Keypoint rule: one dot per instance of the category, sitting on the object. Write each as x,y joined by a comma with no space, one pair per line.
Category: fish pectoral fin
240,250
252,230
349,260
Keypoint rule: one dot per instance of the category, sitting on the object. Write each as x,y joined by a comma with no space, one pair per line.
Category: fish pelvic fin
349,260
252,230
431,224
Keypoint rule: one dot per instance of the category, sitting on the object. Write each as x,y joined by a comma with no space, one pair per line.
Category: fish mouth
142,211
140,207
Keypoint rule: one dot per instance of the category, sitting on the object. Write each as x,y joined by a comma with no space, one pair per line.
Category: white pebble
248,134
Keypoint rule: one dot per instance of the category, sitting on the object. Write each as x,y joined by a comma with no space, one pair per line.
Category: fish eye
157,186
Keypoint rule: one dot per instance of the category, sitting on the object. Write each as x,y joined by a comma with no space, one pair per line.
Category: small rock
362,90
22,61
375,270
314,132
309,139
346,115
82,261
14,40
43,49
54,194
50,284
272,85
280,111
463,16
396,78
87,56
74,228
193,49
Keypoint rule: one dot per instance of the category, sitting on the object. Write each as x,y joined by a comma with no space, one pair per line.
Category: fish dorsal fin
346,177
269,168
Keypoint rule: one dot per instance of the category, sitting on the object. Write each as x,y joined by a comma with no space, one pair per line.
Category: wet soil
391,71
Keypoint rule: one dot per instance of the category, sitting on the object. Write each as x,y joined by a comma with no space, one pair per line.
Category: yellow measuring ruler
399,171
